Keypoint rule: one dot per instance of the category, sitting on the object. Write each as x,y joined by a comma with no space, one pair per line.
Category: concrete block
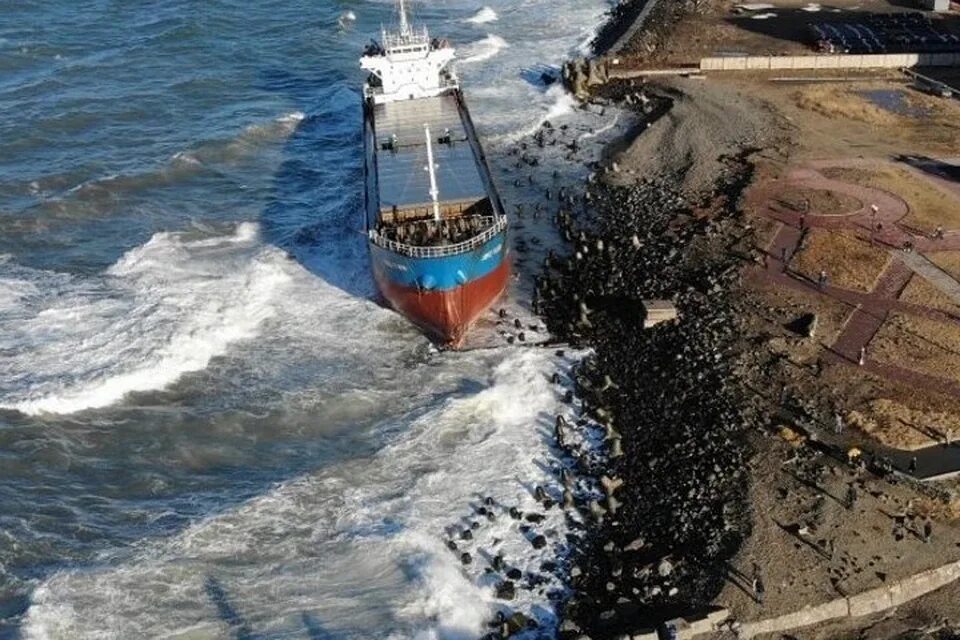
718,617
658,311
645,634
699,625
736,64
803,618
870,602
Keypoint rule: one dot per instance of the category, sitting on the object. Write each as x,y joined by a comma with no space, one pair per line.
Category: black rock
506,590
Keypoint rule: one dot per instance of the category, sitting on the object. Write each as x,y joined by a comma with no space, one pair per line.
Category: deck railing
497,225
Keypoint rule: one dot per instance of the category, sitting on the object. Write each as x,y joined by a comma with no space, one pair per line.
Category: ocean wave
561,103
164,309
356,547
483,16
206,157
484,49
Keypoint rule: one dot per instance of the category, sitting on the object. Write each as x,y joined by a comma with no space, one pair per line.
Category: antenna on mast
404,23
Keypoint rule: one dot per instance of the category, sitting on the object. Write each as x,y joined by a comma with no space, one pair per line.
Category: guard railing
497,225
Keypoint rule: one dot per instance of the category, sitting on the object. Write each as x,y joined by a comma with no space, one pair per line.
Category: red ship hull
447,315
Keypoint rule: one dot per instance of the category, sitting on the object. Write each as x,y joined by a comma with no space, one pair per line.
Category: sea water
208,428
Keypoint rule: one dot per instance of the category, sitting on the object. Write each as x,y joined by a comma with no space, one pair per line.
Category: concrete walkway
933,274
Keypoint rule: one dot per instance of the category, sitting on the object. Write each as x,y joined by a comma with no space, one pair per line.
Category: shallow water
895,101
207,429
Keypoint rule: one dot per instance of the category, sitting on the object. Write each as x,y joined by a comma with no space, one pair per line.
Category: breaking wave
164,309
483,16
484,49
348,536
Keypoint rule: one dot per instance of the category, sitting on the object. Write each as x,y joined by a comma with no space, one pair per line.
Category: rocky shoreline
668,396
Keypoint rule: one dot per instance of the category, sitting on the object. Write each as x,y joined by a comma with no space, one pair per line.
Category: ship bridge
407,64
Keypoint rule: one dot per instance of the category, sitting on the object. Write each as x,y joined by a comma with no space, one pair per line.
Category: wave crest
483,16
485,49
164,309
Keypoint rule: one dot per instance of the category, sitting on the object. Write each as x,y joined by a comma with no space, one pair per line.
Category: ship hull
444,295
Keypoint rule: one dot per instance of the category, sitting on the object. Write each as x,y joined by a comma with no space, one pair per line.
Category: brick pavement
870,309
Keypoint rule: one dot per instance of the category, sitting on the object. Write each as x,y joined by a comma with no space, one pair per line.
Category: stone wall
863,604
875,61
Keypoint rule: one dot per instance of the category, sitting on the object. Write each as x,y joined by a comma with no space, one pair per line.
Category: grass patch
843,102
919,344
949,261
929,205
849,262
938,128
902,427
819,201
921,292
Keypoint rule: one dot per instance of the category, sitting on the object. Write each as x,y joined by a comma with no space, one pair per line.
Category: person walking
913,465
863,356
851,497
758,590
927,531
838,425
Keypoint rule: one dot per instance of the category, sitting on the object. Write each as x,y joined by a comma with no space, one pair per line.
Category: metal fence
498,225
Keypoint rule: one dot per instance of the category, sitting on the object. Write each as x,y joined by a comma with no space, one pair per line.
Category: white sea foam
484,49
483,16
355,548
164,309
561,104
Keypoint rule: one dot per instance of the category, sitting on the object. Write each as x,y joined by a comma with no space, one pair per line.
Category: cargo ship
435,225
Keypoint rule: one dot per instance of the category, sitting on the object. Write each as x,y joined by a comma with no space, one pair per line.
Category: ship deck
403,179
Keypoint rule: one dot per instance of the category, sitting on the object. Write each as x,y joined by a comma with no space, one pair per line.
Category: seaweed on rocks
676,416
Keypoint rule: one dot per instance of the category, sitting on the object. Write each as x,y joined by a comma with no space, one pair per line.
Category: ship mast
434,191
404,23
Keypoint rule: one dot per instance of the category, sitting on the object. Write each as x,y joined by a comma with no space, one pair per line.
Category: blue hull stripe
440,274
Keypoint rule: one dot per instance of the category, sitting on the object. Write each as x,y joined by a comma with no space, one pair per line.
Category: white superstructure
407,64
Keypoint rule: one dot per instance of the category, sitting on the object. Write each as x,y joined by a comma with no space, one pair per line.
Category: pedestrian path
876,221
933,274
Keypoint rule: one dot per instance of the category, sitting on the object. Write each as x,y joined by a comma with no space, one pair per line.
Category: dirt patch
929,206
902,427
843,550
819,201
848,261
919,344
781,307
921,292
707,125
